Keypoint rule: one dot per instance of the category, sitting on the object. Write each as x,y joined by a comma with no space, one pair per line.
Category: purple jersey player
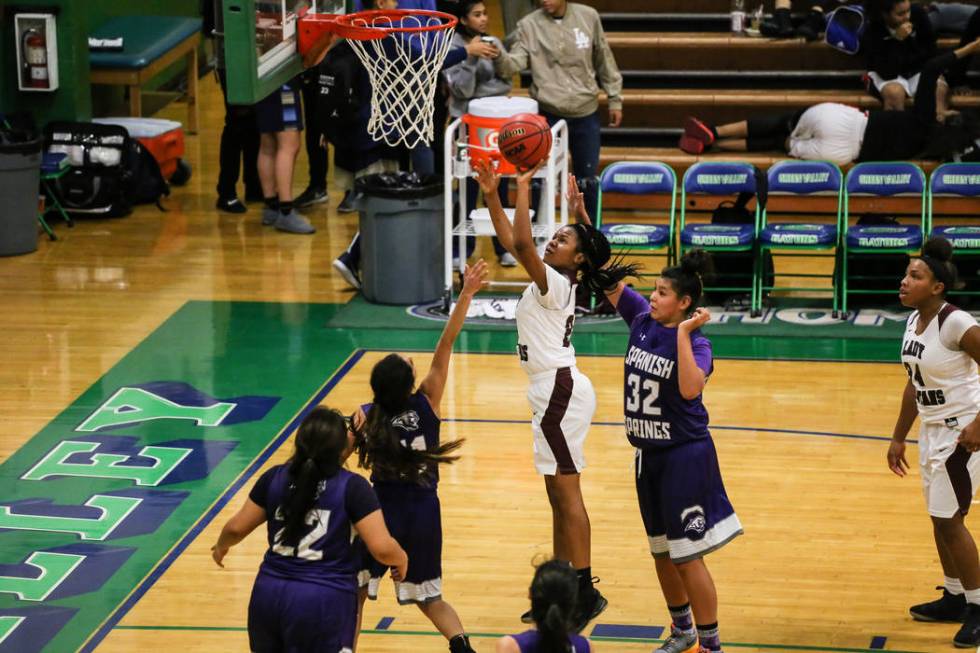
553,593
685,510
400,445
305,594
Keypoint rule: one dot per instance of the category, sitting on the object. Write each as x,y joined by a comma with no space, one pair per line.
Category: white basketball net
403,68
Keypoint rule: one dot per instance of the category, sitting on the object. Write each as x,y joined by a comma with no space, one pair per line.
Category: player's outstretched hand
970,437
699,318
525,175
575,197
218,555
896,458
474,278
487,177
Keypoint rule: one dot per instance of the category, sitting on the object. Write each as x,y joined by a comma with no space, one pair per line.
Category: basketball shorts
562,404
950,473
414,519
292,615
685,510
279,112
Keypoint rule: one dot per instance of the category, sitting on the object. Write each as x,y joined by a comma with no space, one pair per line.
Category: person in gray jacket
565,47
472,78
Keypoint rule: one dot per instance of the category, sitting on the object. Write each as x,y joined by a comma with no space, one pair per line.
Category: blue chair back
720,178
794,177
638,178
885,179
961,179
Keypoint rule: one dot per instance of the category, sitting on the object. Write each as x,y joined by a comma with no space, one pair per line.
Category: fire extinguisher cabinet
37,52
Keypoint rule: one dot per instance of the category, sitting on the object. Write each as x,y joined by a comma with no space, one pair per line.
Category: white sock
953,585
973,596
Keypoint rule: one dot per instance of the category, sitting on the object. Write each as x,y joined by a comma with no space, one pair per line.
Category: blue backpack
845,27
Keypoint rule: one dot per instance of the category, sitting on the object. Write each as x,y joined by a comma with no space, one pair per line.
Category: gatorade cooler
485,118
163,138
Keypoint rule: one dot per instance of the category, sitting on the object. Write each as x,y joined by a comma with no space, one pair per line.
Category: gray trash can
401,238
20,178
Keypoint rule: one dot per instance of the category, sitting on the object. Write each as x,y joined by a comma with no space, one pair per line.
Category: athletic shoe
294,223
347,204
345,267
680,642
691,145
780,26
969,633
230,205
270,216
507,260
311,196
588,610
699,131
950,608
526,618
812,26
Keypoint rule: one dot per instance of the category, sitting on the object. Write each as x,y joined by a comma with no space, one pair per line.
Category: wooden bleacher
685,62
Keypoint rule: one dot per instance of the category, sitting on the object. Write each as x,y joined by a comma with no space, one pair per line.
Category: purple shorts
414,518
295,616
685,509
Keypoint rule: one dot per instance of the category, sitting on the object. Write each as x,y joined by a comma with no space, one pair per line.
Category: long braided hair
597,273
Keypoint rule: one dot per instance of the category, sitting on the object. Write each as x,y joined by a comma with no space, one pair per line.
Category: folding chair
721,179
801,239
640,178
957,180
881,180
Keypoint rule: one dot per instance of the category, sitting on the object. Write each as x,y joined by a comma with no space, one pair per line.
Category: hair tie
939,270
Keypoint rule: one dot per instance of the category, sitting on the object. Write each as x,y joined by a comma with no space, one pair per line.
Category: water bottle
738,16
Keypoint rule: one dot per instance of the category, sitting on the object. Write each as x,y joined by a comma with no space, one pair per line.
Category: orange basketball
525,139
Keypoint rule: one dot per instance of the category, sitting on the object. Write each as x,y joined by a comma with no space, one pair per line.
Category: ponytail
597,273
687,277
320,442
379,447
554,592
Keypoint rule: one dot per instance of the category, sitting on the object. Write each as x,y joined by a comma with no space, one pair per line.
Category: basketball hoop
403,52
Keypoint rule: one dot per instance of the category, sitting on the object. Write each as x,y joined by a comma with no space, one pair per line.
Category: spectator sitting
842,134
897,43
564,45
475,78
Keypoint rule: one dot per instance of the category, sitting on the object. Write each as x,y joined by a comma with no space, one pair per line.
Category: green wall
73,99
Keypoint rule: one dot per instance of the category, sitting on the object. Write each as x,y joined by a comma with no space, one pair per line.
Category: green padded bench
150,45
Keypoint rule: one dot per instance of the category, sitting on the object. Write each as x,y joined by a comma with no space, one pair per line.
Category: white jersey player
940,350
562,399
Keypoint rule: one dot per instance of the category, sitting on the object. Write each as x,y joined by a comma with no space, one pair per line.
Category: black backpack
736,268
337,99
110,172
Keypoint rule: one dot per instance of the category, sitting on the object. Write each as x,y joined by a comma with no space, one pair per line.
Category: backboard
260,43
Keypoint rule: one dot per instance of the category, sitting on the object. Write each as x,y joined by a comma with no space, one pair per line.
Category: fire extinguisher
35,58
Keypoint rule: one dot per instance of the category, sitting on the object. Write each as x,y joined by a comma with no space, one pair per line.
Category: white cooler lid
142,127
501,106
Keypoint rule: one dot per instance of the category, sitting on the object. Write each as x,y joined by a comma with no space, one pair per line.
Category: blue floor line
627,631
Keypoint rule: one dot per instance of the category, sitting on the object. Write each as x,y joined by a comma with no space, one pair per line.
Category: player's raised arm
434,383
489,180
525,250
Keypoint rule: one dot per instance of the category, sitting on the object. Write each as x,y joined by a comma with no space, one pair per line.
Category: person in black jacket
841,134
898,42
